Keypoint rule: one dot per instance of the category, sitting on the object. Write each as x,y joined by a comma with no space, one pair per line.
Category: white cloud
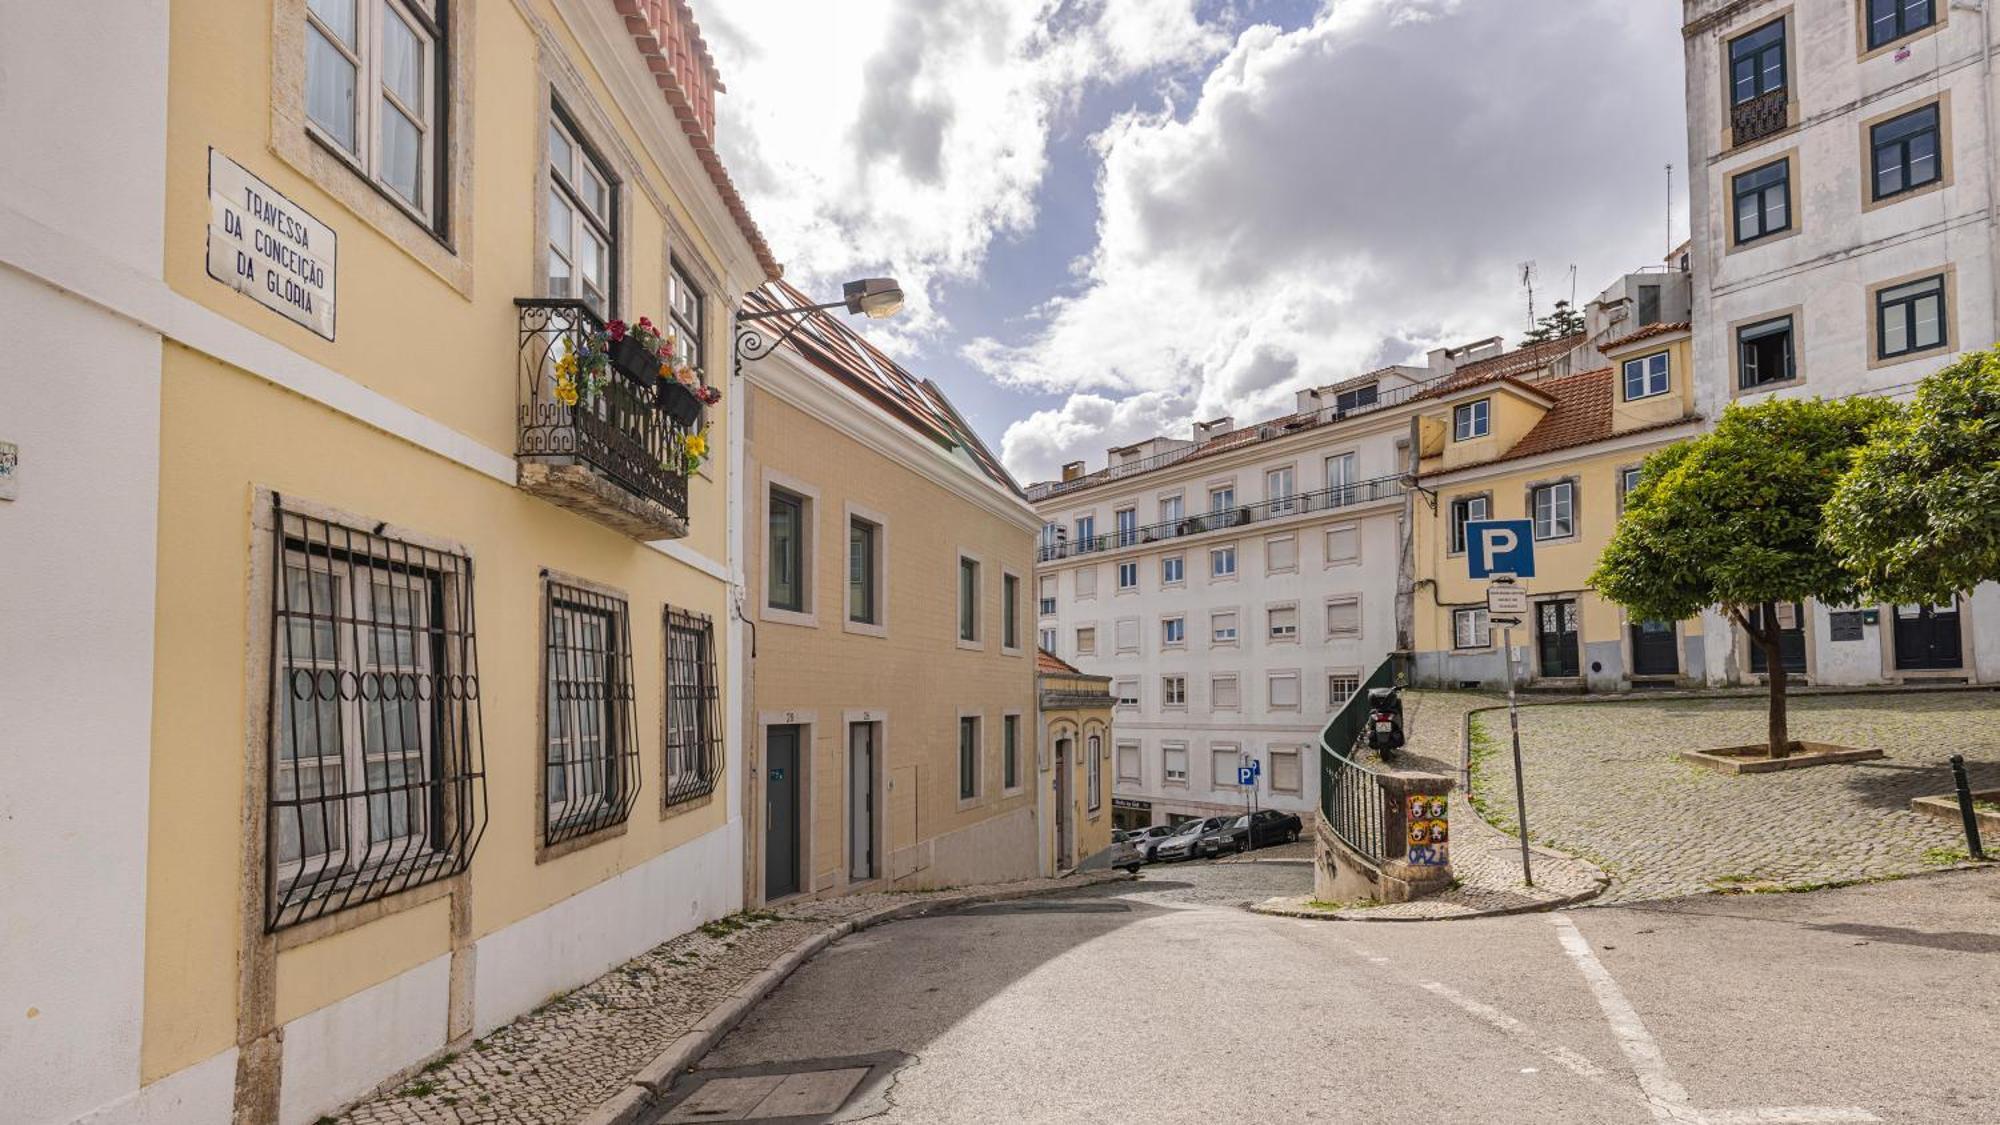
906,136
1343,196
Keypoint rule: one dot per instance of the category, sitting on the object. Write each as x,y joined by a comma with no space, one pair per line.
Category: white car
1146,839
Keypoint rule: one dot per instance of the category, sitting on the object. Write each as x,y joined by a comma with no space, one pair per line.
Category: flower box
635,359
681,403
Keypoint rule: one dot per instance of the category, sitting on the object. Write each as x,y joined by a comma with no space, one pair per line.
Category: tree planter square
1986,808
1757,758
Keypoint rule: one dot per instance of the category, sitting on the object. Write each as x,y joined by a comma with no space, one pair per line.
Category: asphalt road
1160,1001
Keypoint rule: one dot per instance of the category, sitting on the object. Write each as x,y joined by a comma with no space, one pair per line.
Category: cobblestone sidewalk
559,1062
1485,861
1603,780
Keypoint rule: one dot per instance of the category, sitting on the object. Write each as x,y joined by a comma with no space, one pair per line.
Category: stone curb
631,1103
1600,882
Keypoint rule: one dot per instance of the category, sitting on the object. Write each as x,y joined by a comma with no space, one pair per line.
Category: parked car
1193,839
1263,828
1146,839
1123,853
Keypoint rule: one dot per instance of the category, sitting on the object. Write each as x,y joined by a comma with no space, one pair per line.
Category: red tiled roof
1581,415
1646,333
671,43
830,345
1049,664
1520,361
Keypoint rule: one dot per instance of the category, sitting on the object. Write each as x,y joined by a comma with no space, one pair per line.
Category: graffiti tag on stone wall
1430,831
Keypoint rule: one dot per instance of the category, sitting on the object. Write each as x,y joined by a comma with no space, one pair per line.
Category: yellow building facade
1558,450
892,698
1075,756
442,653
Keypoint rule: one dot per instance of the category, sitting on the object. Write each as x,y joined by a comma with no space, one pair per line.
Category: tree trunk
1771,636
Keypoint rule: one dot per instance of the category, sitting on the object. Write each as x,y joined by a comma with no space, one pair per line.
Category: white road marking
1668,1099
1497,1018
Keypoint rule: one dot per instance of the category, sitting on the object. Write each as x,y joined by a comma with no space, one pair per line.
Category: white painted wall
1842,248
79,393
342,1051
1256,728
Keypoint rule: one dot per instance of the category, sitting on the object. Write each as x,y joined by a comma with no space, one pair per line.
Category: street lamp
872,297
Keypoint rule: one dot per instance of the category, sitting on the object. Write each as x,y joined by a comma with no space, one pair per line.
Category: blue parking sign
1246,775
1500,547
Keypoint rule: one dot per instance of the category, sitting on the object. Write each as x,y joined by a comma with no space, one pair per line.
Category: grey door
861,801
781,812
1062,804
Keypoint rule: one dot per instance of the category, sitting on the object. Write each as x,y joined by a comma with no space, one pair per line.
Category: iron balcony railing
624,433
1042,490
1759,117
1326,499
1351,795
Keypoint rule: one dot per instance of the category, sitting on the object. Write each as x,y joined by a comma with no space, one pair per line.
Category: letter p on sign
1500,547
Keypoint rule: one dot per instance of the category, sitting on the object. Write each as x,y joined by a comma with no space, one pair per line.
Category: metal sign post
1504,597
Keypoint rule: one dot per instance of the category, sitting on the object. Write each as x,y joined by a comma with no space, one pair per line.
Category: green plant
1734,519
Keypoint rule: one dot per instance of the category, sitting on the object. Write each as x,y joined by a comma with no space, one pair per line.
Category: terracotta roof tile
670,41
1581,415
1049,664
830,345
1646,333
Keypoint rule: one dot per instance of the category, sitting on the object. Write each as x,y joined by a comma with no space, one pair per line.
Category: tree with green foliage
1733,519
1917,517
1563,321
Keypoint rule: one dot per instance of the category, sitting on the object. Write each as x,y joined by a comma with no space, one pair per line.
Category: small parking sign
1246,775
1500,547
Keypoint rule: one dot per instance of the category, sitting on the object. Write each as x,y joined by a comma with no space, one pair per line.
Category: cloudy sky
1117,216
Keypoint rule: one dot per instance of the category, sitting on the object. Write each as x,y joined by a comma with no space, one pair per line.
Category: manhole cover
812,1090
1046,906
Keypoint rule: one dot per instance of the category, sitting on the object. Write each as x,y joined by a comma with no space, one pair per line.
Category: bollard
1965,810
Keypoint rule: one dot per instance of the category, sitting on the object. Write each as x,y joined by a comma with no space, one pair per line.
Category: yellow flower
566,391
566,366
697,445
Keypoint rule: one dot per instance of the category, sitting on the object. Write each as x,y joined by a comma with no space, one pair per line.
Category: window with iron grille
590,774
377,773
694,734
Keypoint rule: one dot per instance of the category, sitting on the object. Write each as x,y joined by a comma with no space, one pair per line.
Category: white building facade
1237,588
1843,226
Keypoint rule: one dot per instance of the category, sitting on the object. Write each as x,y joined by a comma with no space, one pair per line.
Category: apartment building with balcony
893,688
1843,239
369,603
1235,586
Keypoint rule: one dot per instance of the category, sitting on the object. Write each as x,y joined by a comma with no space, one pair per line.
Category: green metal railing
1350,794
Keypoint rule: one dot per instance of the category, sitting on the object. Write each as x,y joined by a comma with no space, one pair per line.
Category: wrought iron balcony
1759,117
613,455
1326,499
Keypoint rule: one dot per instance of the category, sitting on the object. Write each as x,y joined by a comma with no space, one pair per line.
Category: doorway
861,753
1556,639
1791,641
1654,649
1927,638
782,745
1063,752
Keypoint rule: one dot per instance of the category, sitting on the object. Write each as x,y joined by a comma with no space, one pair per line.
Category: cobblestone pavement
559,1062
1603,781
1211,882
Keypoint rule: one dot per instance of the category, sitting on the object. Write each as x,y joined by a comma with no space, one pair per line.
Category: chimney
1205,432
1072,470
1310,401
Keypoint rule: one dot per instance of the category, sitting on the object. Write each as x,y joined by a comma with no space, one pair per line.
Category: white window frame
1047,638
370,91
1454,543
1217,701
1084,632
1344,600
1168,774
1173,692
1271,565
1125,525
1352,530
1131,567
1173,631
1215,637
1120,698
1271,682
1215,555
1224,756
1473,420
1654,379
1119,631
1290,633
1094,786
1179,564
1173,508
585,222
1281,489
1341,684
1562,504
1298,769
1470,629
1119,751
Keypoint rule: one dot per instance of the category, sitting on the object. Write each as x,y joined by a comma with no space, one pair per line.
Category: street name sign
267,248
1500,547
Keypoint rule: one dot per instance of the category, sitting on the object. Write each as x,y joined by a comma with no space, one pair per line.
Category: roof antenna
1528,279
1670,211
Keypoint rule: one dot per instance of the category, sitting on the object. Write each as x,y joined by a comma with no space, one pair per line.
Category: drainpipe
1985,10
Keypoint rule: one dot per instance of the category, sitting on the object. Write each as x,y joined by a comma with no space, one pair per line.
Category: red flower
616,330
645,323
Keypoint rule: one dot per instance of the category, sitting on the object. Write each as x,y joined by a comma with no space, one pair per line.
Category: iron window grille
1905,152
377,779
1763,198
1910,318
694,729
1764,353
590,760
1757,83
1890,20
